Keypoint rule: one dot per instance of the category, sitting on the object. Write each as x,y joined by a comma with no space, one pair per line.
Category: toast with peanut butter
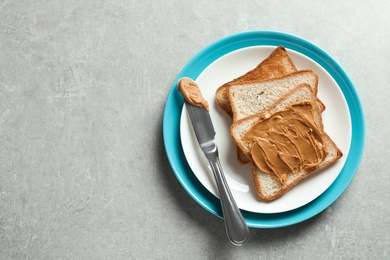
277,64
285,143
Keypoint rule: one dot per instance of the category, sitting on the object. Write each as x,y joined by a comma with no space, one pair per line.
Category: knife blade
235,225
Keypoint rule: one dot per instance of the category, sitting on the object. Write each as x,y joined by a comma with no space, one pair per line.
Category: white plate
336,120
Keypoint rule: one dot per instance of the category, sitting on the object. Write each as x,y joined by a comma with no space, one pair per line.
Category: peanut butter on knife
191,93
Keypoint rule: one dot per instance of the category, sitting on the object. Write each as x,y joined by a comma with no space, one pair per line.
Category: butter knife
235,225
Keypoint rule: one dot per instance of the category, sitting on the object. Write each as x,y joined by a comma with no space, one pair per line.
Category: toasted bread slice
251,98
277,64
268,186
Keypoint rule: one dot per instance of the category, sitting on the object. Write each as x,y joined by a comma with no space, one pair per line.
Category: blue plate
174,104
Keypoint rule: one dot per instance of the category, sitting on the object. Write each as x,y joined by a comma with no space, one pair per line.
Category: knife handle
236,228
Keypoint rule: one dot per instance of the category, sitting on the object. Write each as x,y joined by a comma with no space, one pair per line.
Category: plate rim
174,103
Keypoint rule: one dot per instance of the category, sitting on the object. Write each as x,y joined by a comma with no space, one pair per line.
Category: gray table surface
83,169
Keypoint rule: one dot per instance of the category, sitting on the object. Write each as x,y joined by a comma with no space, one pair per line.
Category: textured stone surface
83,170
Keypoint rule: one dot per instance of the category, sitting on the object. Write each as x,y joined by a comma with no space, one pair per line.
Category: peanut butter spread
191,93
286,141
